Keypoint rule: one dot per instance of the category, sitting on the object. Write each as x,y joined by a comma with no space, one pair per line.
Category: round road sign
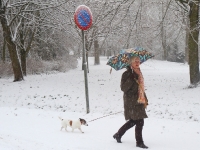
83,17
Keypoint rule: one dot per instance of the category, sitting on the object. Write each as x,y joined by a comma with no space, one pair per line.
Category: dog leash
105,116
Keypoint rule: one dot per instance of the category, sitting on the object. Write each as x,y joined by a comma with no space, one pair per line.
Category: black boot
117,137
129,124
141,145
138,134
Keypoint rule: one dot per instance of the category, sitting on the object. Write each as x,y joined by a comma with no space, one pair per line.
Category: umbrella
121,60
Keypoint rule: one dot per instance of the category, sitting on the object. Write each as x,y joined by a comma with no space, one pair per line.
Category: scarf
140,81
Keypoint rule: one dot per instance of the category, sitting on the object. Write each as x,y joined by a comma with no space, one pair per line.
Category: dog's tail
60,118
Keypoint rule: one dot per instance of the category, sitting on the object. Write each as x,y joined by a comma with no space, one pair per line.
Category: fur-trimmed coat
132,109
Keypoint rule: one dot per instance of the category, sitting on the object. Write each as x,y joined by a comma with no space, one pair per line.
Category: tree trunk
108,53
96,52
82,61
23,61
187,30
22,50
18,76
4,51
163,36
165,54
193,43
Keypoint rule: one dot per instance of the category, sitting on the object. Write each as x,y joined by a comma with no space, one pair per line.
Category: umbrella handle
110,70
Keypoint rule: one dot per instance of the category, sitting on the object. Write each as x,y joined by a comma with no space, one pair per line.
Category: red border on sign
82,7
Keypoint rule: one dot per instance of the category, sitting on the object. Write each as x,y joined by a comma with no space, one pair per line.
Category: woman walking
135,102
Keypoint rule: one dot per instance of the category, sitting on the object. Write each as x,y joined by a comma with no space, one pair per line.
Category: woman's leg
129,124
138,133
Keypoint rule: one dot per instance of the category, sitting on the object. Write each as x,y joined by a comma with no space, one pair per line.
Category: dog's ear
81,120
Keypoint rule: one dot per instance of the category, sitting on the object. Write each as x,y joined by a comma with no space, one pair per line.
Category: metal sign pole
83,19
85,74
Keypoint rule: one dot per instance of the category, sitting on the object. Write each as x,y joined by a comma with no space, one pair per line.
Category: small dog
74,124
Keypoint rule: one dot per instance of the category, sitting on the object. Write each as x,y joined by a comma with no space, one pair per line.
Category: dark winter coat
132,109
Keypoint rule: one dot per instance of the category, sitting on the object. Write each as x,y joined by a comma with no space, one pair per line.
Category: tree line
40,30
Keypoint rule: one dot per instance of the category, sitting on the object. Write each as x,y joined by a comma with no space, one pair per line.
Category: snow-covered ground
29,110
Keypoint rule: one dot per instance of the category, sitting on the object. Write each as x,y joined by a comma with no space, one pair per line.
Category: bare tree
25,22
7,33
193,38
46,30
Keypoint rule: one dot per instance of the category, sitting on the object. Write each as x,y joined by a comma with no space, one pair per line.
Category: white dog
74,124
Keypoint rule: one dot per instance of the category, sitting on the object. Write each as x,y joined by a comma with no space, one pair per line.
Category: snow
29,109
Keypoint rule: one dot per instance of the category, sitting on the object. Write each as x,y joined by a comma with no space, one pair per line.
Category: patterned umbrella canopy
121,60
